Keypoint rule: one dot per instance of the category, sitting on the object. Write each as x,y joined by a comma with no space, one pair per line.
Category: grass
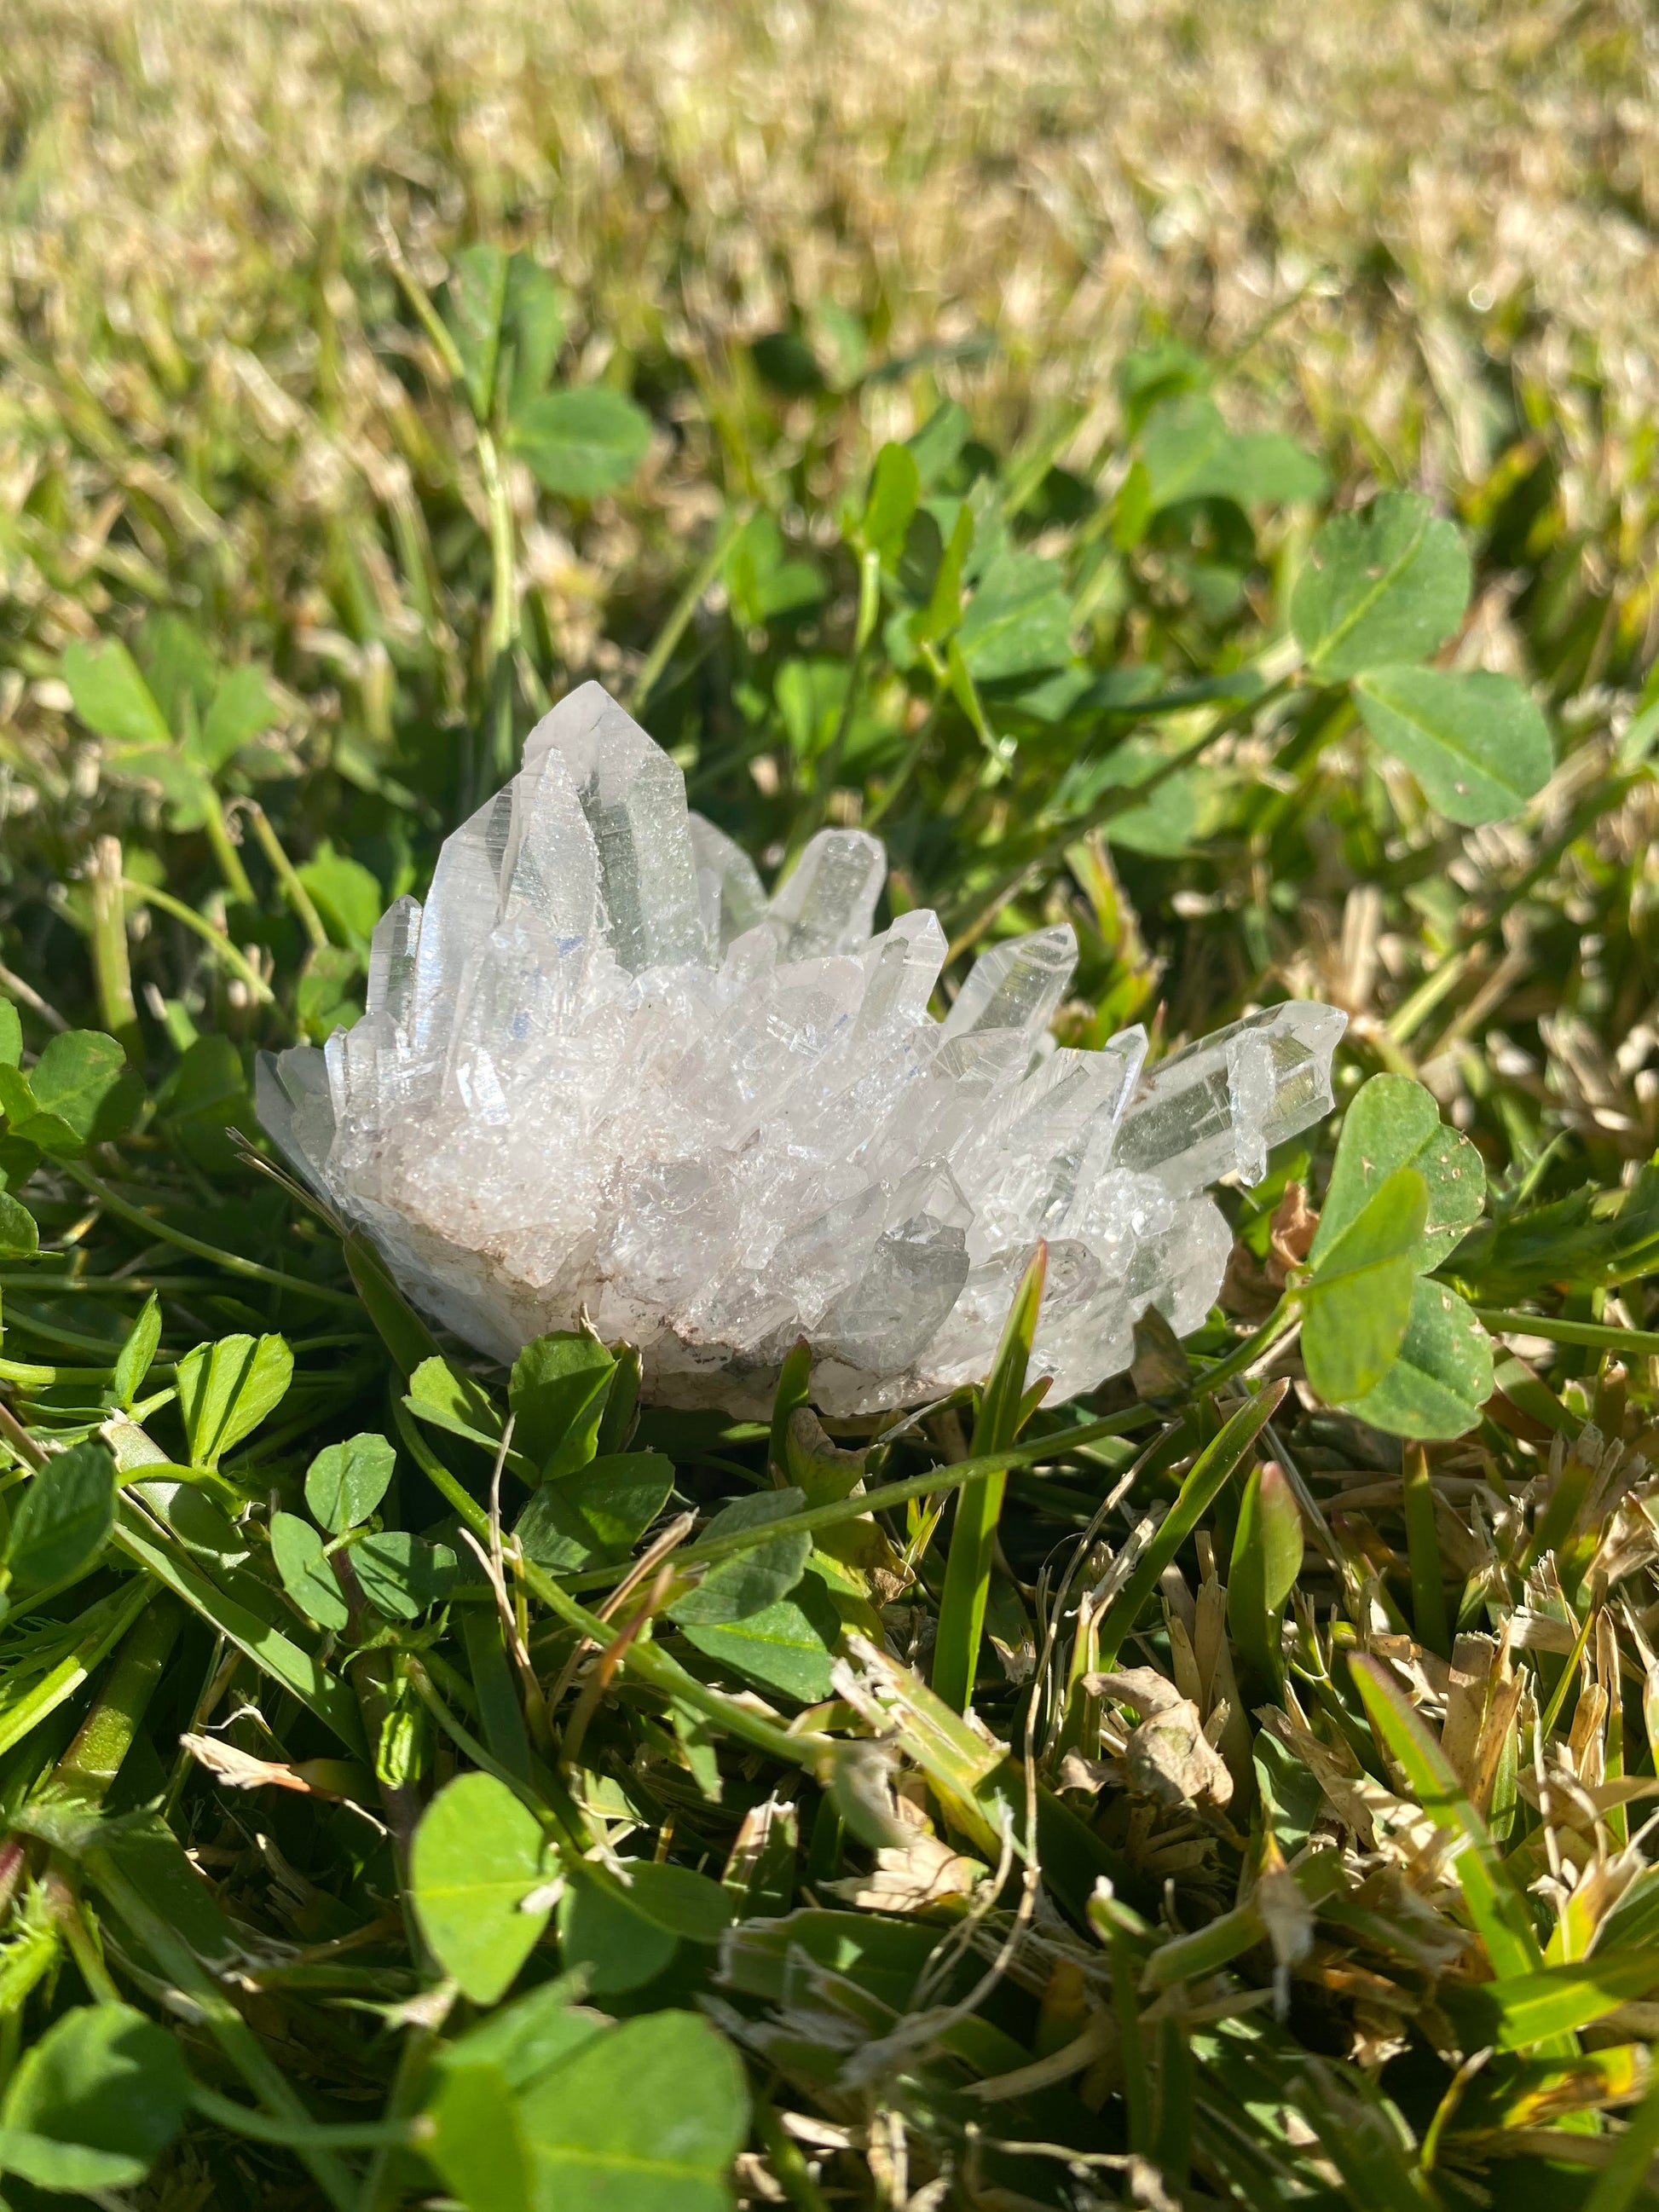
1295,1850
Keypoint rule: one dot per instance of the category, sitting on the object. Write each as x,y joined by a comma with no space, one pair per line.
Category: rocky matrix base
601,1070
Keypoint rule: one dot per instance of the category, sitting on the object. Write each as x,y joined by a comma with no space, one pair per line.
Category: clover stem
1278,1325
217,943
228,859
112,969
287,875
232,1263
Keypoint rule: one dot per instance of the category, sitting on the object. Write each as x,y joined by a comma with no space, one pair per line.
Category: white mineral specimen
602,1070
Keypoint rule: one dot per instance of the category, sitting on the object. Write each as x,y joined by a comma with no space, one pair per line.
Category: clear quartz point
1016,986
393,951
728,885
1215,1109
600,1071
827,902
633,797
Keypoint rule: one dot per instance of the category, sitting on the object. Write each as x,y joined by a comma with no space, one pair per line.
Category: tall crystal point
601,1069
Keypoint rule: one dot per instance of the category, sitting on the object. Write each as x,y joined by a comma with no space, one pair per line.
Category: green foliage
297,1552
79,1090
346,1481
226,1389
1381,587
190,722
1406,1352
1442,1374
669,2142
754,1578
1188,453
346,894
973,1532
1357,1298
891,505
65,1518
557,1395
94,2102
1392,1122
137,1354
476,296
20,1237
477,2144
1477,744
815,1466
504,320
479,1854
785,1647
1496,1909
1266,1560
402,1574
443,1394
606,1937
595,1516
1215,1465
580,444
1163,663
112,697
574,2136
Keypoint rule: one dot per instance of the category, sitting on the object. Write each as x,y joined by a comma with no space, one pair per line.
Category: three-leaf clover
1380,1335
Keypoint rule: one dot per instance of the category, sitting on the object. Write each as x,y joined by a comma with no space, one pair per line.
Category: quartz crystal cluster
601,1070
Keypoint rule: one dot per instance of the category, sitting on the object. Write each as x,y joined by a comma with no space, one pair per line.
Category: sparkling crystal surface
601,1070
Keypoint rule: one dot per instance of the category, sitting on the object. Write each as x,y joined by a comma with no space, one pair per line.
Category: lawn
1187,476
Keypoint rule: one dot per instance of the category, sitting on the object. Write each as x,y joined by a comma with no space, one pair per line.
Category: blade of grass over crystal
979,1504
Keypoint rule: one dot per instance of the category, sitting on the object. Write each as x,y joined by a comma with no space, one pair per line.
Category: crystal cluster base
602,1071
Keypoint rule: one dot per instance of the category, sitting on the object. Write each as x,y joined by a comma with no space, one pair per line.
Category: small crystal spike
1215,1109
393,952
828,901
600,1071
728,885
1016,986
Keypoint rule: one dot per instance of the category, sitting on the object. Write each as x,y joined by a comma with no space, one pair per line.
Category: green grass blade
1500,1917
402,1331
1520,2012
105,1737
1624,2180
1219,1459
836,1511
1422,1548
979,1505
99,1629
178,1962
272,1652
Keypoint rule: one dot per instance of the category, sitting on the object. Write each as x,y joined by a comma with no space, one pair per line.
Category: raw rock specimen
601,1069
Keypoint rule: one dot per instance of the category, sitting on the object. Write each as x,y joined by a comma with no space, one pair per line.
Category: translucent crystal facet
600,1071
